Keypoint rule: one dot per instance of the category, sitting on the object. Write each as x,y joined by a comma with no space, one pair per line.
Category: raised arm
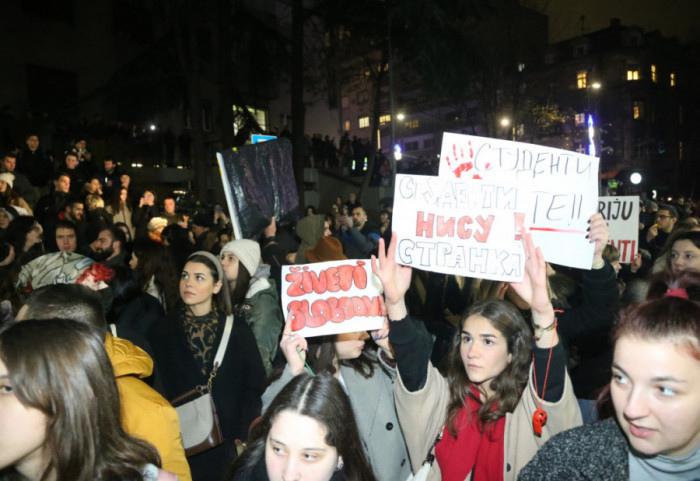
409,339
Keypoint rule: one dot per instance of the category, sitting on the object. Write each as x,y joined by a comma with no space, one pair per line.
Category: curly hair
509,384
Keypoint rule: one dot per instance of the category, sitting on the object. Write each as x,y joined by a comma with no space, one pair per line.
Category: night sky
674,18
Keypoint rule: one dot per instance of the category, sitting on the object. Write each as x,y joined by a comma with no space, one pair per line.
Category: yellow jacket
145,413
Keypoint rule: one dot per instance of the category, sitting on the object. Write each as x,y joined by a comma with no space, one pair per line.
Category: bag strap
221,351
219,358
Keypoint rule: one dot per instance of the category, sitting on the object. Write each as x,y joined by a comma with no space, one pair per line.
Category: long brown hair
61,368
154,262
509,384
322,398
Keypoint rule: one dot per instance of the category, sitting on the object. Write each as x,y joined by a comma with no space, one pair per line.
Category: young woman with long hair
185,343
655,393
59,408
488,411
8,197
307,433
362,368
120,209
254,295
155,272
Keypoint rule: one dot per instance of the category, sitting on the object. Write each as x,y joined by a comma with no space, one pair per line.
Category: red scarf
472,450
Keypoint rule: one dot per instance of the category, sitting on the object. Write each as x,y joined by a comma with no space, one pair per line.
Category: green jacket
263,313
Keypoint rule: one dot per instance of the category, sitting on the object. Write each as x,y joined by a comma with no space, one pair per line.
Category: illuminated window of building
521,67
653,73
363,122
673,79
347,125
580,119
632,73
582,80
384,119
638,109
412,124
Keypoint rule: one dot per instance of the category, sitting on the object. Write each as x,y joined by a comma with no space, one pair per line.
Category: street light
505,122
400,116
636,178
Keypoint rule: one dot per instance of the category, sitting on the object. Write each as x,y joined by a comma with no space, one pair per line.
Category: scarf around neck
476,449
200,333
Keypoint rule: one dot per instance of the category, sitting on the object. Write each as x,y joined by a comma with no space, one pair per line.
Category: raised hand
395,278
533,288
289,344
598,232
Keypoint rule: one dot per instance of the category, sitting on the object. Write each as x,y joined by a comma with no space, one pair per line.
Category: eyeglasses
663,216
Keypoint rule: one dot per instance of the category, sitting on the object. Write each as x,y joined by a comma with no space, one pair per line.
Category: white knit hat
247,252
156,223
8,177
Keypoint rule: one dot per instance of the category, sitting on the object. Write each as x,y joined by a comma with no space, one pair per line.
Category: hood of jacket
260,281
127,359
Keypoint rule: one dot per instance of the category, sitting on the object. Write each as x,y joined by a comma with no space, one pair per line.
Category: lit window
638,109
653,73
412,124
582,80
673,79
580,119
384,119
364,122
632,74
347,126
521,67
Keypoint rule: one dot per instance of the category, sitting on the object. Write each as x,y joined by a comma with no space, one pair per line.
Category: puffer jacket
145,413
262,312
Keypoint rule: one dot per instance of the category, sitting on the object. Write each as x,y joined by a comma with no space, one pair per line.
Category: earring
340,465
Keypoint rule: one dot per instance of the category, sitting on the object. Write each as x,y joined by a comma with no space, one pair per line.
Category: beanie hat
8,177
247,252
156,223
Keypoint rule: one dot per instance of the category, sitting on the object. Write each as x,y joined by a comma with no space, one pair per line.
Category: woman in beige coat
502,398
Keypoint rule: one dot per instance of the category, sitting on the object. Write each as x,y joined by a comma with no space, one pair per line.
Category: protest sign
456,227
332,297
622,215
259,183
563,187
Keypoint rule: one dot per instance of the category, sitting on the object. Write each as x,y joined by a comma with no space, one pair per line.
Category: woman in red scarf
502,398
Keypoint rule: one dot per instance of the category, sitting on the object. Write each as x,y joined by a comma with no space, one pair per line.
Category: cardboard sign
455,227
563,187
259,183
332,297
622,215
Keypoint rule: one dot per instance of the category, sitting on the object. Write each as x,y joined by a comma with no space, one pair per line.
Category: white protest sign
622,215
564,187
456,227
332,297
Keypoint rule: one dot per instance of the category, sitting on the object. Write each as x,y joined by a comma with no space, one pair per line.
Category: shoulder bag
199,423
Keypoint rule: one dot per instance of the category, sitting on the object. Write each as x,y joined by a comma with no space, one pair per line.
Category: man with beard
109,246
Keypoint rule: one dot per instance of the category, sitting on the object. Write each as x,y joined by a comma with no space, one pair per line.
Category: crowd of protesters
113,292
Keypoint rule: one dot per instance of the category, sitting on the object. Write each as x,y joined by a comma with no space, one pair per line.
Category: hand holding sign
599,234
293,347
395,278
